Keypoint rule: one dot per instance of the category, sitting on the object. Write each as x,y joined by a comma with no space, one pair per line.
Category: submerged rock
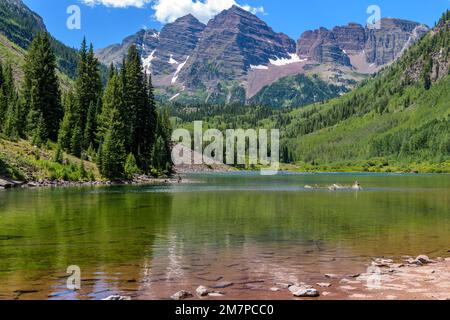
5,184
181,295
222,285
215,294
424,259
306,293
420,260
324,284
381,262
202,291
283,285
117,298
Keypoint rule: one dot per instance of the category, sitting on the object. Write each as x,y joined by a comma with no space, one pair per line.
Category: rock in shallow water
215,294
181,295
222,285
420,260
424,259
306,293
202,291
117,298
324,284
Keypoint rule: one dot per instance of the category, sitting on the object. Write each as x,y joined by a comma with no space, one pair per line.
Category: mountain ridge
236,54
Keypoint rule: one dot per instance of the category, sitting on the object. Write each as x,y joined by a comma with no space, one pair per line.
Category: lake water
149,242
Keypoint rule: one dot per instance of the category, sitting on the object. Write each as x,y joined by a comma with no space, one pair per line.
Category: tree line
117,126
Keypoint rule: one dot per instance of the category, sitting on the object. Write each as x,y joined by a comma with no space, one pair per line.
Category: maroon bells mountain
236,55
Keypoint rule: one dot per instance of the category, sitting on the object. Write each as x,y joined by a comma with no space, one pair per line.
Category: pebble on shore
304,291
181,295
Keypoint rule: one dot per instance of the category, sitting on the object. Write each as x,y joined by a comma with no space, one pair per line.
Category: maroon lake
241,232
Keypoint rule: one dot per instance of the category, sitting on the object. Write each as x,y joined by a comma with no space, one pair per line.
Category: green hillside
296,91
19,24
13,54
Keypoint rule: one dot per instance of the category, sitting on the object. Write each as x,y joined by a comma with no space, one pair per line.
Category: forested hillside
297,91
19,24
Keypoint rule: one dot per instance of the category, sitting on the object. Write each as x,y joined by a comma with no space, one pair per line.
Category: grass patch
23,161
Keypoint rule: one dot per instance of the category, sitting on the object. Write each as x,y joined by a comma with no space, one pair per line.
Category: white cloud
117,3
170,10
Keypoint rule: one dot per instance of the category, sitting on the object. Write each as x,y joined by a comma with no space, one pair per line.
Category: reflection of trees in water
86,227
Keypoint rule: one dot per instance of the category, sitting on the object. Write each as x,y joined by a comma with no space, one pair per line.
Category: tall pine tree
68,123
112,99
112,152
140,109
41,90
10,107
162,151
88,90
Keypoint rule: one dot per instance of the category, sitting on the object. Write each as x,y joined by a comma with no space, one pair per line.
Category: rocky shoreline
419,278
6,183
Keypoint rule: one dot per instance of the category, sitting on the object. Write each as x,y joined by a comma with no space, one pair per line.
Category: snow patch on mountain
260,67
147,62
175,76
294,58
172,60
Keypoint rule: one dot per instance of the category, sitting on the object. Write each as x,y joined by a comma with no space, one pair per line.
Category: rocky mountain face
386,44
343,44
162,52
237,54
230,44
116,52
321,46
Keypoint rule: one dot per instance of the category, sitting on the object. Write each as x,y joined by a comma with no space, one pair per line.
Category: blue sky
104,22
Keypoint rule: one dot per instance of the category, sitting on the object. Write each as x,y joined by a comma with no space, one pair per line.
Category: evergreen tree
40,134
112,100
88,93
11,125
140,107
76,141
9,104
41,90
3,99
68,123
113,149
59,154
89,137
427,73
82,170
162,152
3,108
131,168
